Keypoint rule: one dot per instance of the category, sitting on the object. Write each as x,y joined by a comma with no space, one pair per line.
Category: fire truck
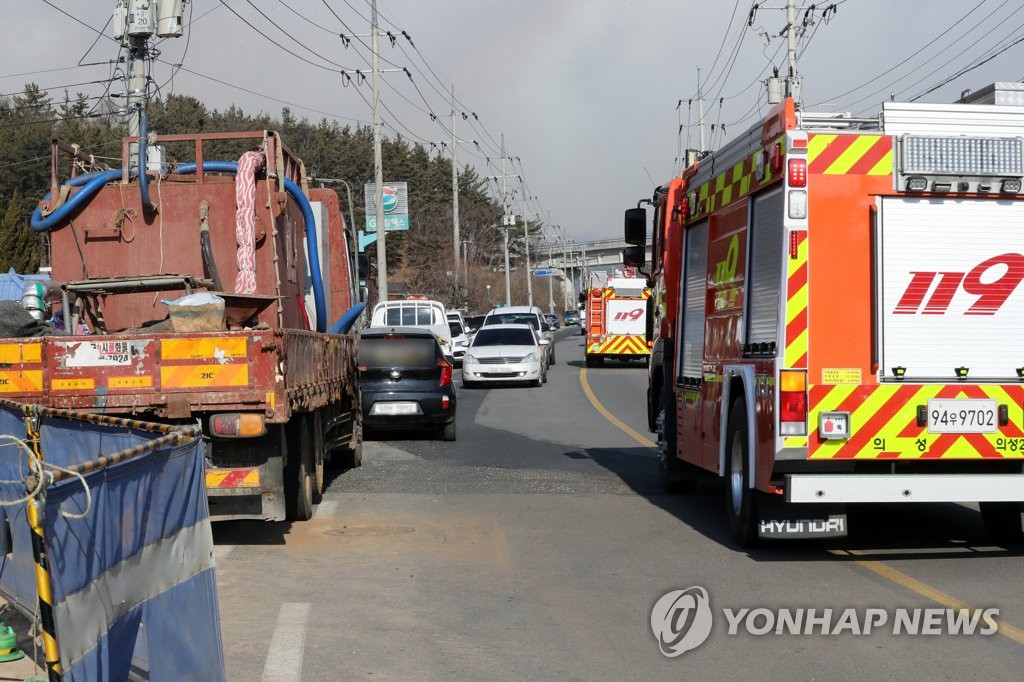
616,319
837,315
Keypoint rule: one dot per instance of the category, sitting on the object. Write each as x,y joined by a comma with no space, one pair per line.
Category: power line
928,44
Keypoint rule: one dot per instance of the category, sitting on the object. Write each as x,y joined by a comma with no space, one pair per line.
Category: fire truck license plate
961,416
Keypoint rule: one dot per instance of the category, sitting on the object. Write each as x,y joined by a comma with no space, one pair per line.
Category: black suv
405,380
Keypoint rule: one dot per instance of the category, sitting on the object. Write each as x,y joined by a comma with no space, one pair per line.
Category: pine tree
20,247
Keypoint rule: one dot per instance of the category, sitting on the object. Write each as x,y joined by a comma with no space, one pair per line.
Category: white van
415,313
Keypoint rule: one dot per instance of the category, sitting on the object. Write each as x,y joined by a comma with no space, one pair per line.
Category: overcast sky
585,91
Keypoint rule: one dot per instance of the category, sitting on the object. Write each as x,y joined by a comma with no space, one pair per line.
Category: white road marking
284,656
325,509
220,552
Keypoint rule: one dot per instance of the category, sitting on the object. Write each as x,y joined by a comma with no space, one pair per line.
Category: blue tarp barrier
134,589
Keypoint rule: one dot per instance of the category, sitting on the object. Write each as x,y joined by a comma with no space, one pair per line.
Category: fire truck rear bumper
840,488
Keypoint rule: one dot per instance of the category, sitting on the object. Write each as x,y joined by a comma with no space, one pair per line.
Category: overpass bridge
580,265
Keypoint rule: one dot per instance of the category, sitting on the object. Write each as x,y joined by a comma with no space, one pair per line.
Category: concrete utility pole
791,46
136,94
505,224
455,194
551,279
700,113
378,170
526,242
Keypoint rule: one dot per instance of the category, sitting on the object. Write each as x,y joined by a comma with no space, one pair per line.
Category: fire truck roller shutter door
765,283
693,301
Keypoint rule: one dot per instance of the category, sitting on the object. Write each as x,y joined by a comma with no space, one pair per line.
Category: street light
488,295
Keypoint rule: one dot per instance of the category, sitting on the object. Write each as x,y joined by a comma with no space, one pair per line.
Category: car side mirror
635,228
363,265
545,342
634,256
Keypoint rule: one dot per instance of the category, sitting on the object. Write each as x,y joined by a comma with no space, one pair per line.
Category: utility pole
378,170
700,113
455,196
551,279
792,80
505,224
526,241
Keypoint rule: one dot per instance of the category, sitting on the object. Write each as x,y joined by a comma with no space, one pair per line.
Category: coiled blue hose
90,184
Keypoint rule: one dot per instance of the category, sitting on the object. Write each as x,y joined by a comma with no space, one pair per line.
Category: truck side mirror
363,265
635,230
634,256
583,297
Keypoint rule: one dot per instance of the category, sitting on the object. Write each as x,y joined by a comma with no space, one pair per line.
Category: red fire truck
616,319
838,314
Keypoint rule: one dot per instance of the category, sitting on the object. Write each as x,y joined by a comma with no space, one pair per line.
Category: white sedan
505,353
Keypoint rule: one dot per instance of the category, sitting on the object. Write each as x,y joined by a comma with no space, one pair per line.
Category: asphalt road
535,546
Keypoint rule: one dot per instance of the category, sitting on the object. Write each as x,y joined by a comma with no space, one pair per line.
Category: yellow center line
615,421
929,592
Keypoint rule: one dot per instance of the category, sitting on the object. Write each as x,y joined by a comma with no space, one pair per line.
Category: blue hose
90,184
346,321
147,205
307,215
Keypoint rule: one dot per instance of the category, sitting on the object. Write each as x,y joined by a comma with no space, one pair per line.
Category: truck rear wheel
298,473
740,498
1003,521
319,453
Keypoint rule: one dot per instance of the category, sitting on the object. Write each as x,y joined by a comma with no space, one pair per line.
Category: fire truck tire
298,473
740,498
1003,521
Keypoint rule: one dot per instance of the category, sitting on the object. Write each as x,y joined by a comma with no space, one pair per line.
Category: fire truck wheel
298,474
676,476
740,498
1003,522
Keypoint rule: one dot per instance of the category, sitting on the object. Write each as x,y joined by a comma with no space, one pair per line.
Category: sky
585,92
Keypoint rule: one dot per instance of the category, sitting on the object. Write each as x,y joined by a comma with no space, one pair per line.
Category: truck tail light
446,372
798,172
238,425
793,402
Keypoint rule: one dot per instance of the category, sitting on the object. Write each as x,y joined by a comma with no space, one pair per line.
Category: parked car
553,321
571,317
505,353
406,381
524,314
460,340
416,313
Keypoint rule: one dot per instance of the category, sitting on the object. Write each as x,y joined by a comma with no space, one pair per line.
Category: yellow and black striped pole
36,505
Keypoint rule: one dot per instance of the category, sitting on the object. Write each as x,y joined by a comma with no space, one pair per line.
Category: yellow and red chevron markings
829,154
883,423
796,301
233,478
621,345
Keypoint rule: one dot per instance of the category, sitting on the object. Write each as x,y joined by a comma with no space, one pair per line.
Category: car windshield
504,337
455,328
397,351
409,315
512,318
